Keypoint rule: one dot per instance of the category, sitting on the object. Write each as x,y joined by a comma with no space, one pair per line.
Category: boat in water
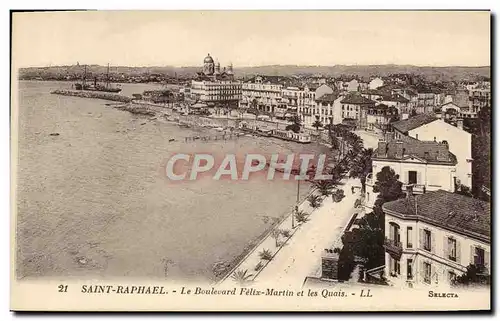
95,86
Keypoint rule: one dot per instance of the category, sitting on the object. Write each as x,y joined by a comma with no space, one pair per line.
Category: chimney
382,148
398,151
442,152
330,266
460,123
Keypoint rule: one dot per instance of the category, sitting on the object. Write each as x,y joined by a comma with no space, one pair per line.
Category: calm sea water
94,201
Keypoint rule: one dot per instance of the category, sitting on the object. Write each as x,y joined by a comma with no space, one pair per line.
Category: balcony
394,248
415,188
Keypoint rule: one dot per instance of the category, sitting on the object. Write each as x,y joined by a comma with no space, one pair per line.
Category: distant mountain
362,71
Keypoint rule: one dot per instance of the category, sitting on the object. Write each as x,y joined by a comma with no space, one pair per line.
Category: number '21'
63,288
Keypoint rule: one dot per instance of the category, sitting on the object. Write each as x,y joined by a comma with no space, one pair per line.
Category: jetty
227,136
93,94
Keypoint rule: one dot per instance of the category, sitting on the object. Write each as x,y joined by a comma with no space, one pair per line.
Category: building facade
426,166
430,239
262,93
355,106
459,143
216,88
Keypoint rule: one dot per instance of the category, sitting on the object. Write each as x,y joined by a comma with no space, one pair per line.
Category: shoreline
201,124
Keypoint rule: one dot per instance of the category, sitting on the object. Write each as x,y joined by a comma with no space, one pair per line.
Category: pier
93,94
228,136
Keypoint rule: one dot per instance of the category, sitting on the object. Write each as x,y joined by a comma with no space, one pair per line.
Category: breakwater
93,94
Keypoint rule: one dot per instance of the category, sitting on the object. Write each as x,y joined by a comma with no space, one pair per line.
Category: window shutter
421,273
421,238
459,253
419,178
434,276
446,251
471,254
433,244
487,260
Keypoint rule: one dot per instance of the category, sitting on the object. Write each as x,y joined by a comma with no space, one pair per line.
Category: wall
433,176
440,262
459,142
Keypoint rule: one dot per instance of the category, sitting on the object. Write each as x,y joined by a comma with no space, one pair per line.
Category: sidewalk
370,139
301,254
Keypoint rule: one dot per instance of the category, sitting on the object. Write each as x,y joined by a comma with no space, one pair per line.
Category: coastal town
409,202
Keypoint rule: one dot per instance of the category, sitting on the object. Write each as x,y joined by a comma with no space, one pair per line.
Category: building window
394,235
416,136
409,269
427,272
409,237
412,177
395,267
452,249
427,240
479,256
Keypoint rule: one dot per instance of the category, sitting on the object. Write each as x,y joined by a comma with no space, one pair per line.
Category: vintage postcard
251,161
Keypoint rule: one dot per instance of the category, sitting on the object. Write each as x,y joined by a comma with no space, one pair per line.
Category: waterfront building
424,165
430,239
379,116
427,127
326,110
355,106
262,93
216,88
399,102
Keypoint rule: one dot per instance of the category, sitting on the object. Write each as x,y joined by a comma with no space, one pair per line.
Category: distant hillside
363,72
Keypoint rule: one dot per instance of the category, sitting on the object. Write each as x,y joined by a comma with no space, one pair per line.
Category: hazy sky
250,38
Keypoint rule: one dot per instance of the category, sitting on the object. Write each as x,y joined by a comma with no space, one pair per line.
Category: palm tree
241,277
325,187
314,201
317,124
275,234
266,255
301,216
362,166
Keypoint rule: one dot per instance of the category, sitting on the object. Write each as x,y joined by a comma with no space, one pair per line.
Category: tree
370,241
413,112
301,216
275,234
296,124
242,277
325,187
388,186
362,166
314,201
266,255
317,124
475,275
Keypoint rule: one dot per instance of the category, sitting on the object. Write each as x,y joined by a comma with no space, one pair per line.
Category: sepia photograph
279,160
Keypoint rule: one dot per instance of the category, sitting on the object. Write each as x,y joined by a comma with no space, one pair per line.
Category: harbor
106,166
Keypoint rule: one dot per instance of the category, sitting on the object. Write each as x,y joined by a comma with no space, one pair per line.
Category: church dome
208,60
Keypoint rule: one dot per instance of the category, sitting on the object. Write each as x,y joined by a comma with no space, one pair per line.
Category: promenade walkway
301,254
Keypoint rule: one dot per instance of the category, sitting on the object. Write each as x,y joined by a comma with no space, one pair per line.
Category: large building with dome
216,87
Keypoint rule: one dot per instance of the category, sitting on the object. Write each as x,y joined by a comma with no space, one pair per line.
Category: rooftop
396,98
409,148
406,125
453,211
356,99
328,97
